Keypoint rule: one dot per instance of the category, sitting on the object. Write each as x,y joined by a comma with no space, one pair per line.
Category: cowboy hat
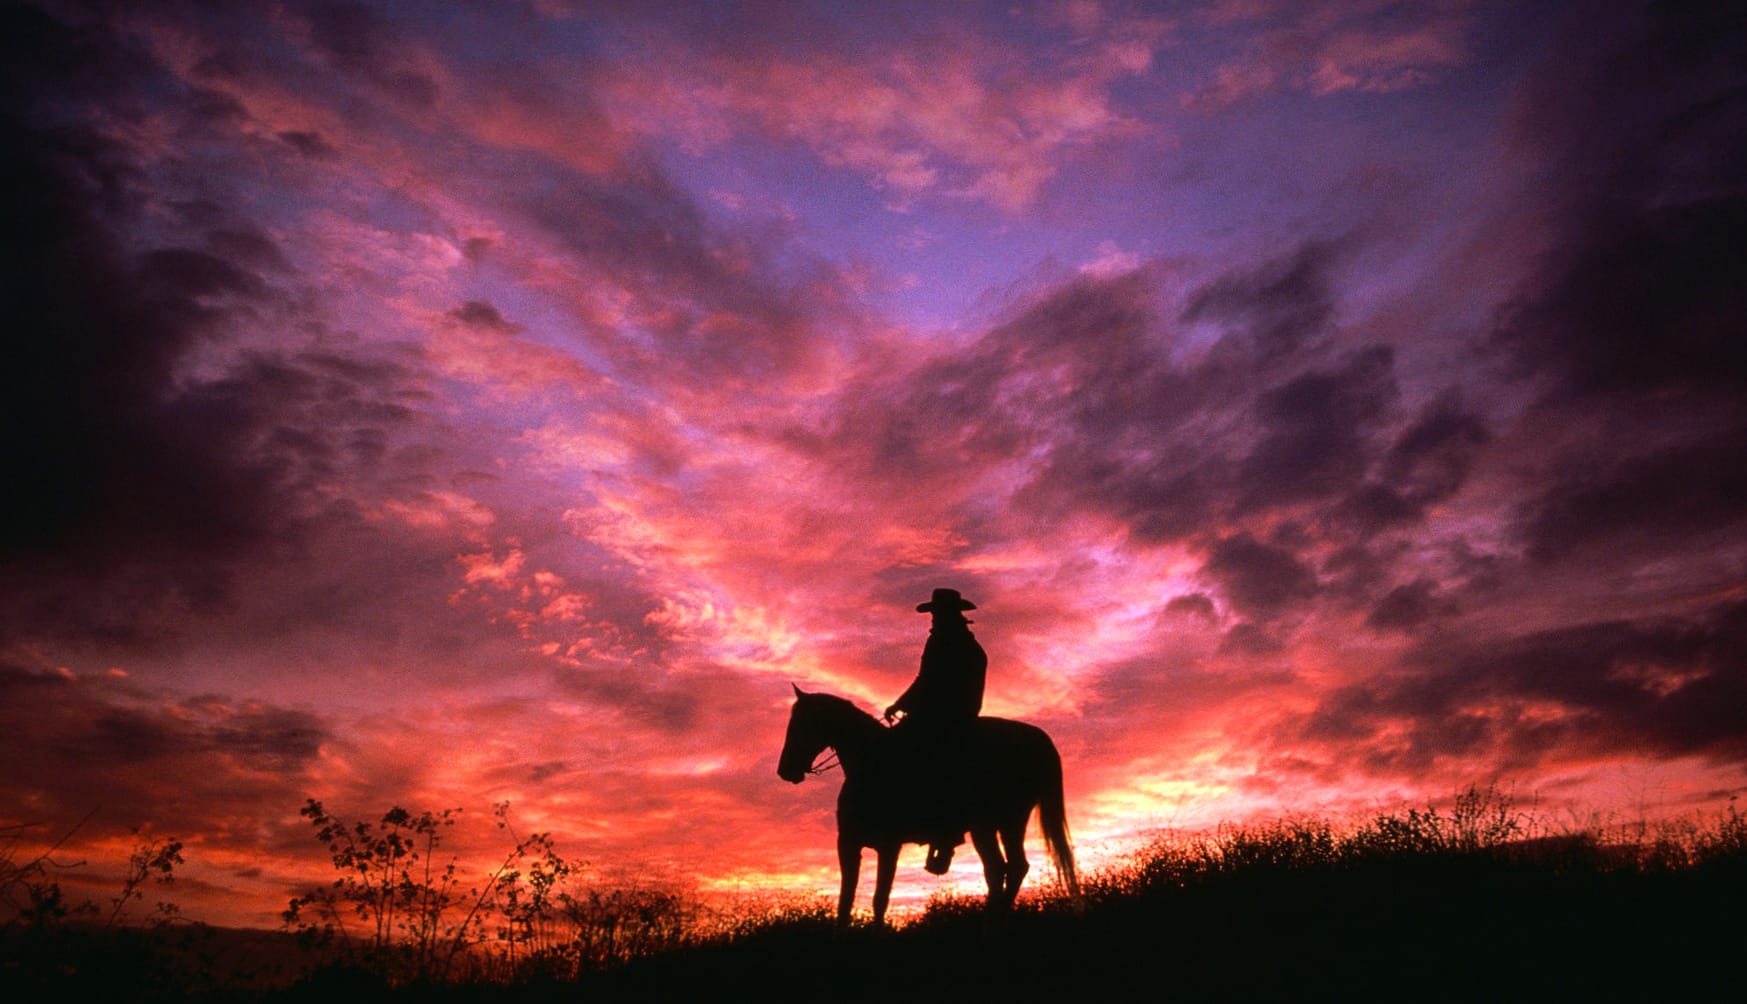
946,599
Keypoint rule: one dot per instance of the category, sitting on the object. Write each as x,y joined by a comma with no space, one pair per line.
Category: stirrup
939,859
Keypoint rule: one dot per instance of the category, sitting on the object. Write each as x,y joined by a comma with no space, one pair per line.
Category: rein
826,761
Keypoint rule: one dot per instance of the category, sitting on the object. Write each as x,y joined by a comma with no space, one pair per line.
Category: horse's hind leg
885,870
1013,842
994,869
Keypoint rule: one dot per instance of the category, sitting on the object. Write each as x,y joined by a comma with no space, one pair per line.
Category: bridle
827,760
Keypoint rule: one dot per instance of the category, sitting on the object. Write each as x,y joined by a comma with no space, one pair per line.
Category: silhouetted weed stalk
395,911
30,887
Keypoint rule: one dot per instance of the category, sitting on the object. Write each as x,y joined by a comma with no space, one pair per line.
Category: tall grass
1479,896
1481,826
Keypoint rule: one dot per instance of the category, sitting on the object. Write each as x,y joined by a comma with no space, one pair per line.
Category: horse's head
804,741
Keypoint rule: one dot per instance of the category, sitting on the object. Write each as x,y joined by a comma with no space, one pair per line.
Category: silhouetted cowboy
939,709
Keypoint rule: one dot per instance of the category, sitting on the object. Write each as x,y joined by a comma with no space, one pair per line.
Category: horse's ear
798,691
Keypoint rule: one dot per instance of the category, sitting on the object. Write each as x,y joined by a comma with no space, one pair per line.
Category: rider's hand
891,713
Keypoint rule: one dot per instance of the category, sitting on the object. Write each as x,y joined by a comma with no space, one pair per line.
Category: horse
1011,769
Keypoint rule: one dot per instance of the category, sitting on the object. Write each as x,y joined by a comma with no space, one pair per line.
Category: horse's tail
1052,816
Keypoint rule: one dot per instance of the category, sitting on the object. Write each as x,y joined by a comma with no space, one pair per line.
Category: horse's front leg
849,863
885,870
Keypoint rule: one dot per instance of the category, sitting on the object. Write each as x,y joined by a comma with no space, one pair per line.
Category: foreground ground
1410,907
1450,933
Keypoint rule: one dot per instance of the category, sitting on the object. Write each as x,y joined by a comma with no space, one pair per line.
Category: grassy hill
1288,916
1419,906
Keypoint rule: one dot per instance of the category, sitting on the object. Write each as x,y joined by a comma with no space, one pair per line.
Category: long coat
948,690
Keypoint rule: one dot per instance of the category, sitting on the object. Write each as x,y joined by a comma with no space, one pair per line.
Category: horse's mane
845,707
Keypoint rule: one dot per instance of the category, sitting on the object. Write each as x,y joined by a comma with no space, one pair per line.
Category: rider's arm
916,686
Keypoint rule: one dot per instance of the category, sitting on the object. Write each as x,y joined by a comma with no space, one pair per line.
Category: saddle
935,762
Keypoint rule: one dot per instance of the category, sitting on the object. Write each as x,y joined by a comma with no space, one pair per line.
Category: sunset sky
1327,405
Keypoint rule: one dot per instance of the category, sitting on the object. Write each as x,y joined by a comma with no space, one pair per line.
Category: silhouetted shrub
1404,902
399,915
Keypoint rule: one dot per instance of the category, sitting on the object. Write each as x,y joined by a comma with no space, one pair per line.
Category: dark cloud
1407,607
1642,301
229,475
1249,640
1625,336
1276,308
1184,449
310,144
646,699
1138,702
1429,459
1345,716
1428,462
1358,572
1260,579
250,246
1655,501
83,744
1074,372
1088,375
51,60
205,108
1643,145
480,314
185,279
127,736
1084,373
1315,433
722,316
99,455
1630,328
356,40
1667,687
1196,604
136,491
1676,685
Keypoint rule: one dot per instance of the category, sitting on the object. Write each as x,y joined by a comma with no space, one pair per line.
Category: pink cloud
475,343
964,118
440,510
1326,50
